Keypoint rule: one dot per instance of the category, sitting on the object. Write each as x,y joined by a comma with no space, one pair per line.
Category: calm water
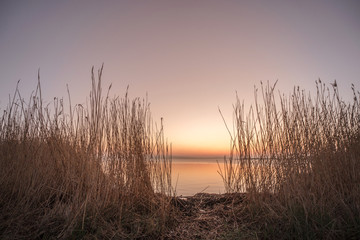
191,176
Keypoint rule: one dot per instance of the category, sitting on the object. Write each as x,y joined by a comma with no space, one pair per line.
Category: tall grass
298,159
102,170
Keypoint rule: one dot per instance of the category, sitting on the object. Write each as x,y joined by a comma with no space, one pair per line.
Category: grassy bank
102,170
298,159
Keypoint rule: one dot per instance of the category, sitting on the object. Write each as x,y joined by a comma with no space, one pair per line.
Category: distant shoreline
196,157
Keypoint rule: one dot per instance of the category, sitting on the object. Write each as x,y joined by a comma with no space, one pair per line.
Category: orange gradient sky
190,57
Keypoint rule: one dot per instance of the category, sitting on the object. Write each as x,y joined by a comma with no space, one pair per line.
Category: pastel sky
189,56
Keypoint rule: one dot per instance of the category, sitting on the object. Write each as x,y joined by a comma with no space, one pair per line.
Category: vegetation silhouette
297,158
99,170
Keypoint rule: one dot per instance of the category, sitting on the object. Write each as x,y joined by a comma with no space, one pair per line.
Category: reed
102,170
297,157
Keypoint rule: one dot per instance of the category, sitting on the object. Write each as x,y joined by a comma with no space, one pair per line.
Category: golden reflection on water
192,176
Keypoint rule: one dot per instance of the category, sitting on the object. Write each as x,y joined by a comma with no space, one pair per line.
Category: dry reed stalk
102,170
298,159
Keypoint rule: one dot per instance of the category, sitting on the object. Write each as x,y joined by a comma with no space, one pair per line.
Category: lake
193,175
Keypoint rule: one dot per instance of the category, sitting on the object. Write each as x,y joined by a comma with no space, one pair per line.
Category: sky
190,57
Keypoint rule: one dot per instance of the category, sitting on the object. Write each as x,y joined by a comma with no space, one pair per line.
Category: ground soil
205,216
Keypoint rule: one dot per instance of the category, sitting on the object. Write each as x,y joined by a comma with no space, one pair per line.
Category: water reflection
191,176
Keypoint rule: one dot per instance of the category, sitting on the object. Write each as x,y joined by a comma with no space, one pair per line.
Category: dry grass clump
101,170
298,159
205,216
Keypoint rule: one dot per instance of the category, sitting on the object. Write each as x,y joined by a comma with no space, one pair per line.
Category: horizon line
187,156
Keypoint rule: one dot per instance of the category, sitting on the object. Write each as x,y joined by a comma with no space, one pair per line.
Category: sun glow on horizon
190,57
199,152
